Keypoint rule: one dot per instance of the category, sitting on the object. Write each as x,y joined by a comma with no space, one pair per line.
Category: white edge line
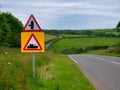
72,59
115,62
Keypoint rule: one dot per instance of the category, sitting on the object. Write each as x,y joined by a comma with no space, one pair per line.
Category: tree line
10,29
95,33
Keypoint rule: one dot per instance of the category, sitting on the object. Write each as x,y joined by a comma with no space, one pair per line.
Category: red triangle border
24,30
32,35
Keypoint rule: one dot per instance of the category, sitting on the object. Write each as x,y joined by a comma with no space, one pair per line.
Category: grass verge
53,72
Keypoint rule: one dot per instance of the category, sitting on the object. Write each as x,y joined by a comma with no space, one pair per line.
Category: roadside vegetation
53,72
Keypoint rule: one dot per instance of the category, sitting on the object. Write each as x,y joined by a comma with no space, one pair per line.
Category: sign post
33,64
32,40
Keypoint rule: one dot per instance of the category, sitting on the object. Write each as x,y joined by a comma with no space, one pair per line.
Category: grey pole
33,65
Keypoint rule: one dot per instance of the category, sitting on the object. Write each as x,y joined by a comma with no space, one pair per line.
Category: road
47,45
102,71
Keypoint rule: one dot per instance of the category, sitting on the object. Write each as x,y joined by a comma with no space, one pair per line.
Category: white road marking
72,59
115,62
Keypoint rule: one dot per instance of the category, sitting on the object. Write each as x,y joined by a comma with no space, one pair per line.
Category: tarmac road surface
102,71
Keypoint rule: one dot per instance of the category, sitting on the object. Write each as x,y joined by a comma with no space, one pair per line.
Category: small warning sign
32,25
32,44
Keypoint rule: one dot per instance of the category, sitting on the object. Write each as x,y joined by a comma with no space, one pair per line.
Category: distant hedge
83,50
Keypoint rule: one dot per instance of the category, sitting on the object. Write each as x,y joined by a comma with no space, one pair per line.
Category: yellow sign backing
32,42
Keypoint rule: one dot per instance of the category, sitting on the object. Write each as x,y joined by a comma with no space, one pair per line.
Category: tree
10,29
1,35
118,26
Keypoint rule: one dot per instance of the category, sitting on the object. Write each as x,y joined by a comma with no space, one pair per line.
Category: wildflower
6,53
9,63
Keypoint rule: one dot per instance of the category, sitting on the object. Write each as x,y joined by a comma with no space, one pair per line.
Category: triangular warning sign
32,44
31,25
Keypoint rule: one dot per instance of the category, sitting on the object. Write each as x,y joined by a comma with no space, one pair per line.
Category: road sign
31,25
32,42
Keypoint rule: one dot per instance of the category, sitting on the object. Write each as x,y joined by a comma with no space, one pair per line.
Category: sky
66,14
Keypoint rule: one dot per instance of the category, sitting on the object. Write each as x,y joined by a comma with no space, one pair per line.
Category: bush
117,48
72,51
114,48
10,29
82,50
96,47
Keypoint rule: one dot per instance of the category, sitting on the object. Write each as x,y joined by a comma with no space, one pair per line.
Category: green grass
87,42
53,72
68,74
49,37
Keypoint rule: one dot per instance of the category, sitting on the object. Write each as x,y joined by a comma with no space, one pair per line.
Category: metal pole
33,65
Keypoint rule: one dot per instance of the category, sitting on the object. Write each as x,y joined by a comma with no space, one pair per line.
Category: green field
88,42
49,37
53,72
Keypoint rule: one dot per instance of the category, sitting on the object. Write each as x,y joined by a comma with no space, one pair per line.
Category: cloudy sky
66,14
